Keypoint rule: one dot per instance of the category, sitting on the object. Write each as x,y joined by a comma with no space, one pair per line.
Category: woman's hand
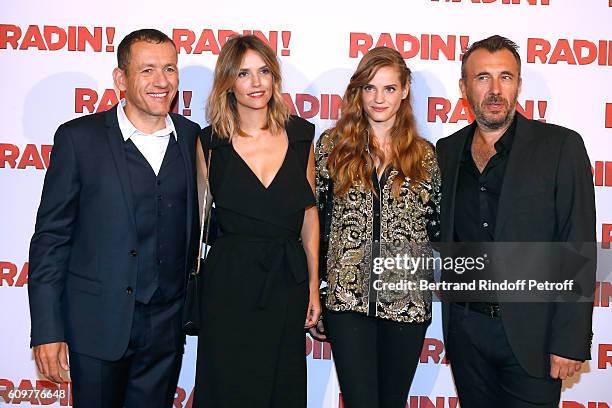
314,308
318,331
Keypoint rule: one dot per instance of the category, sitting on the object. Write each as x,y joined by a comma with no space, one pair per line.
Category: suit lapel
187,154
454,154
115,140
516,171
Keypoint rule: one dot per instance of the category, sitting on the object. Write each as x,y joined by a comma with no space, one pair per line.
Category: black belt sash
280,254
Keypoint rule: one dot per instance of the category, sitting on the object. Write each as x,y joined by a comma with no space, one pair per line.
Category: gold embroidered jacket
354,246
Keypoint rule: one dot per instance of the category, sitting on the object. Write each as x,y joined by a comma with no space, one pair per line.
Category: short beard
492,124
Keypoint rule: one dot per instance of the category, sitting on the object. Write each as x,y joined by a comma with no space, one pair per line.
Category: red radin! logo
101,39
602,173
181,399
433,350
54,38
426,46
11,275
211,41
606,236
30,155
87,100
605,356
317,349
326,106
572,52
440,109
603,294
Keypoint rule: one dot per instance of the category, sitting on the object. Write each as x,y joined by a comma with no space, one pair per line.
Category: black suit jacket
82,253
547,196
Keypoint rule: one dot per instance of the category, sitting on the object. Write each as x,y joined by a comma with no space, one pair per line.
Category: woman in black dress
260,279
378,190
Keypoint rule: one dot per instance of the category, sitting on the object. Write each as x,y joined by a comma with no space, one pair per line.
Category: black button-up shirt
378,183
477,194
477,199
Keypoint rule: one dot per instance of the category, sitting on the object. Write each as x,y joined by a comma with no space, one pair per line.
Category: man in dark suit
507,180
115,237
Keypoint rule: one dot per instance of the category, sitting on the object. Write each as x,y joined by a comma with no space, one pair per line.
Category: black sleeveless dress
251,348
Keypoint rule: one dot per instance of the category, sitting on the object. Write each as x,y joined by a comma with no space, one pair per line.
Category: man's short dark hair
149,35
492,44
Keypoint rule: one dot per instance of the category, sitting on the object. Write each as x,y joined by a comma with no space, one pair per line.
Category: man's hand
49,358
562,368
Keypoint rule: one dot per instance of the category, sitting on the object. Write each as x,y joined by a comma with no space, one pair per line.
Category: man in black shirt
503,182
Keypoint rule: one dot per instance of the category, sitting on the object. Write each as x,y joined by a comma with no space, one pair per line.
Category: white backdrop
57,58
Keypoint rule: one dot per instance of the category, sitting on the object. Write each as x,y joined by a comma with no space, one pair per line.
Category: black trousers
146,375
485,370
375,359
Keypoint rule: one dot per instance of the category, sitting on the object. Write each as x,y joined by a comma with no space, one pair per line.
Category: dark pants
375,359
146,375
486,372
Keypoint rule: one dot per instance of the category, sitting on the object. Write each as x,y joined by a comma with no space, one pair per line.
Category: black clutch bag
191,308
191,311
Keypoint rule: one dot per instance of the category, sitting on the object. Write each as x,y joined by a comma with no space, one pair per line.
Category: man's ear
462,88
119,78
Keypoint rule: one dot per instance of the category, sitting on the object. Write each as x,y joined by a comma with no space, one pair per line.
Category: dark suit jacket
82,253
547,196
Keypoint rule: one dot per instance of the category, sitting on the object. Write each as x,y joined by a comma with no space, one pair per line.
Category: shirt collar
505,142
503,145
128,129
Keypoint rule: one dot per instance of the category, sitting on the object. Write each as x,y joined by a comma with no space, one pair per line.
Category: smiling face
150,82
253,86
382,96
491,85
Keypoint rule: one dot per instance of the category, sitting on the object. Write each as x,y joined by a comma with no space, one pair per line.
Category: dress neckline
266,188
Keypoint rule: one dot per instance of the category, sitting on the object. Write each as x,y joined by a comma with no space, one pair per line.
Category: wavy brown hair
221,109
349,162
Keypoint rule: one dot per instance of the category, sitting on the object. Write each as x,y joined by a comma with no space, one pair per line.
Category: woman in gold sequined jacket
378,193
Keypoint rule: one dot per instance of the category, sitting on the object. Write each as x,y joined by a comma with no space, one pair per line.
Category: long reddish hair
349,161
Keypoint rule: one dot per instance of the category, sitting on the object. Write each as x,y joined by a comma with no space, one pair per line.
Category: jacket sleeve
325,199
433,204
51,243
571,326
439,156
